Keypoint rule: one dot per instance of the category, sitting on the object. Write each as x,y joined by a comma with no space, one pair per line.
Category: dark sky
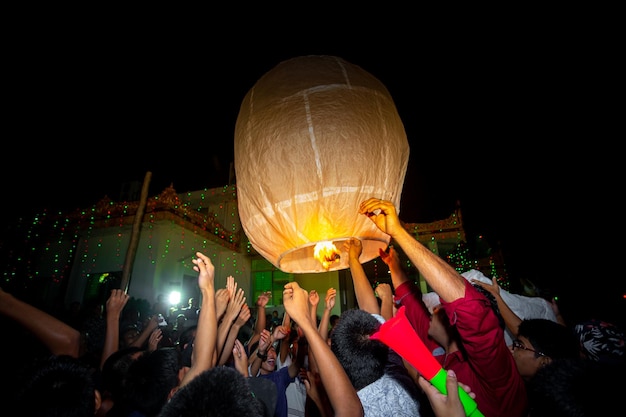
516,125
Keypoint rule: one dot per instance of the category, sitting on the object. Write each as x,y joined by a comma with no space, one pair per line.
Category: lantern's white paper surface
315,136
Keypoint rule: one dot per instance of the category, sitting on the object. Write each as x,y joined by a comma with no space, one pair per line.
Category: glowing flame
326,253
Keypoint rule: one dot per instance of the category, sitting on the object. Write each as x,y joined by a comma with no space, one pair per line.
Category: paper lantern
315,136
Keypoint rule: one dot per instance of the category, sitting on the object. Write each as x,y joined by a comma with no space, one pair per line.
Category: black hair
58,386
219,391
575,387
115,368
550,338
362,358
149,381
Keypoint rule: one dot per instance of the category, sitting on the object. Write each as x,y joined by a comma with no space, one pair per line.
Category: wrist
262,356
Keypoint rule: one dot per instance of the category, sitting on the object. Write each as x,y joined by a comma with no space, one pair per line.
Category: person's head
440,329
269,364
539,342
362,358
575,387
220,391
150,381
114,372
333,320
59,386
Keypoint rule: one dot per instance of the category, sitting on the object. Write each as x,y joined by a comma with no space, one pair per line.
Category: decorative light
315,136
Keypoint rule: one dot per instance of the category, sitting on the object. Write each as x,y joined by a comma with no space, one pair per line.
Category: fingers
452,385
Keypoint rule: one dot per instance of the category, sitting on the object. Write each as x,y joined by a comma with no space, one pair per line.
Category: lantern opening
302,259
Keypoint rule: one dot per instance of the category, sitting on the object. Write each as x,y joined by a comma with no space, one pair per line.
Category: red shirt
489,368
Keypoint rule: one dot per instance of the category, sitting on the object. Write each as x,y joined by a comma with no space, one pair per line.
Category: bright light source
174,298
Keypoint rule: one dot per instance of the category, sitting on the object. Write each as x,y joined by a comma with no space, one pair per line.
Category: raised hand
314,298
493,288
264,341
295,300
244,315
263,299
231,286
154,339
234,306
280,332
116,302
383,291
354,247
383,213
331,295
206,271
240,358
222,298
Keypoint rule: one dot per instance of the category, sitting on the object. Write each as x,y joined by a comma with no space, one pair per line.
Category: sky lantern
315,136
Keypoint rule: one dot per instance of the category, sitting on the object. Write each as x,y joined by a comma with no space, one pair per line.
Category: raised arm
57,336
261,319
242,318
329,301
143,337
224,328
205,341
114,306
384,293
441,277
362,288
341,393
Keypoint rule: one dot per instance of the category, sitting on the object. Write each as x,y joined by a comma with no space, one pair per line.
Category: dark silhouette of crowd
220,356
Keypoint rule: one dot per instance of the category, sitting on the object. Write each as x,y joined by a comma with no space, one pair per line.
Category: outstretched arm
57,336
202,357
224,328
331,295
342,396
114,306
242,318
441,277
261,319
383,291
362,288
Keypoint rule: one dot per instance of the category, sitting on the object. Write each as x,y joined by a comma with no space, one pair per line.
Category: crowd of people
219,359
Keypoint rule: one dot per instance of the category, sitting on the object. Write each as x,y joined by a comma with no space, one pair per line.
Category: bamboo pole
135,234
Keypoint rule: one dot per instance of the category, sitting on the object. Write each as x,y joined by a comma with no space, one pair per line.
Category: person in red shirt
463,333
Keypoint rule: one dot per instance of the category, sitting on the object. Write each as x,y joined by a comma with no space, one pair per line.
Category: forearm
57,336
112,338
204,347
261,320
439,275
227,350
511,320
324,324
223,332
362,288
342,396
255,363
386,308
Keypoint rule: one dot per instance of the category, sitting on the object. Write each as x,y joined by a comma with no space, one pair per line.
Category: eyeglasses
517,344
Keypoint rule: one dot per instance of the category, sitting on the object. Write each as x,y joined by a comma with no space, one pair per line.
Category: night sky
517,127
